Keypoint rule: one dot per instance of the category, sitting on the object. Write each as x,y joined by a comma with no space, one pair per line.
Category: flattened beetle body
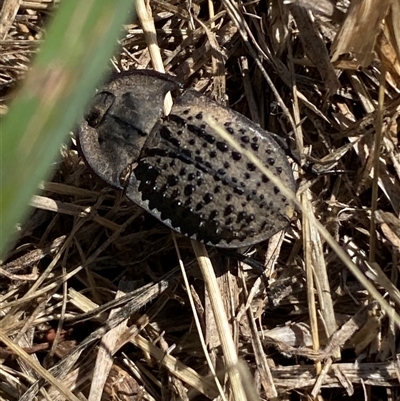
178,169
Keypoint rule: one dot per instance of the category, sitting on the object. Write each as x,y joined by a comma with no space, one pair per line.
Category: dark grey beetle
176,168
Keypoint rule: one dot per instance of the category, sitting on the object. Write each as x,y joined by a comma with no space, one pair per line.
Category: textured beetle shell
178,169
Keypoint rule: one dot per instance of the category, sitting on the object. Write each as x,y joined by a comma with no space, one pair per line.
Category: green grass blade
80,39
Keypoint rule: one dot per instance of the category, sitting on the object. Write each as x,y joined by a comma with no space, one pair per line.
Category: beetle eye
93,118
101,104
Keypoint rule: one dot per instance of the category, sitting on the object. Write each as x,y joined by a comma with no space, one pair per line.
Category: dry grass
92,291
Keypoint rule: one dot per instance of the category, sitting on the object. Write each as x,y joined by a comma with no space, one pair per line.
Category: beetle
177,168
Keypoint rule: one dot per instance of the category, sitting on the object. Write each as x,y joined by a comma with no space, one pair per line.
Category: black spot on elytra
200,206
236,156
210,139
229,210
172,180
176,142
179,121
229,221
250,166
165,133
208,197
175,193
222,146
214,214
189,189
